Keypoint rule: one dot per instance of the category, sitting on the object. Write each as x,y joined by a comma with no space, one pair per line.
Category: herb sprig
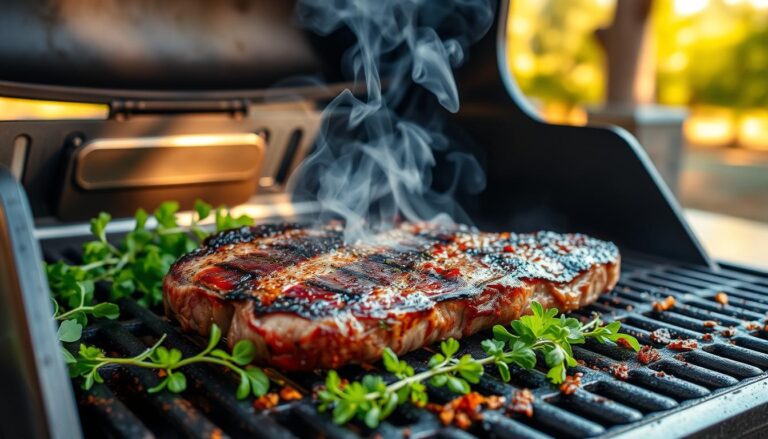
135,267
252,379
74,320
372,399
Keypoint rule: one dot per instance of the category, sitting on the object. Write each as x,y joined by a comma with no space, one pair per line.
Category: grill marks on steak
308,301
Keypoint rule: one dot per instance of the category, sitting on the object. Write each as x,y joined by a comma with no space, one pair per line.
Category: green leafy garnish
371,400
253,381
136,266
74,320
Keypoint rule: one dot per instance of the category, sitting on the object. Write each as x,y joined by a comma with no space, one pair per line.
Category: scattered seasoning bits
707,337
721,298
465,409
571,384
522,402
664,305
620,371
661,374
728,332
624,344
661,336
266,401
710,323
683,345
647,355
752,326
288,393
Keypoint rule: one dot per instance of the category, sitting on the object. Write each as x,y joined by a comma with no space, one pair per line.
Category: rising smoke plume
373,164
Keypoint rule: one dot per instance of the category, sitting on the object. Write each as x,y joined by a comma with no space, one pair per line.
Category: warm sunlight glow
753,130
30,109
690,7
710,128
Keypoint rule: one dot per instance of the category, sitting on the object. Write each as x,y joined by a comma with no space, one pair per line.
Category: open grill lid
102,51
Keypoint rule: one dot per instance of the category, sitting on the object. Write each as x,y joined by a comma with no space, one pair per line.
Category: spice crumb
266,401
683,345
571,384
522,402
647,355
721,298
664,305
709,323
620,371
661,336
465,409
288,393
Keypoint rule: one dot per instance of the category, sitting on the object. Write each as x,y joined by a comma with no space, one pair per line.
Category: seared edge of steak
291,342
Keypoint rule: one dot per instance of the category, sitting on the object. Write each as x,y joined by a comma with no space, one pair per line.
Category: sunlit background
710,56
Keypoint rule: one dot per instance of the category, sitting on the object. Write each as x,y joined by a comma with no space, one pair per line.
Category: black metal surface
149,45
678,393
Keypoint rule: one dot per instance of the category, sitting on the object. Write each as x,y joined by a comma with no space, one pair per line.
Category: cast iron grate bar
609,402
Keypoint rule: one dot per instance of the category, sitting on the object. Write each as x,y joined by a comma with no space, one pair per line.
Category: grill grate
604,405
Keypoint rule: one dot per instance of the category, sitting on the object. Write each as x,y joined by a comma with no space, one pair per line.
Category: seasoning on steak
309,301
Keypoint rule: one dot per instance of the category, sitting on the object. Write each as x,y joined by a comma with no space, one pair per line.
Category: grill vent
604,406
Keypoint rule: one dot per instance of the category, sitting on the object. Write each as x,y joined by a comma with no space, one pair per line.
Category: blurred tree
554,53
710,52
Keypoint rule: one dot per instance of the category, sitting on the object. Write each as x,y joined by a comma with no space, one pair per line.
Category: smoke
372,164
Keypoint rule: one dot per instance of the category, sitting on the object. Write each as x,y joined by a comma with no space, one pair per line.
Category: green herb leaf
107,310
177,382
70,331
202,209
259,381
99,226
504,371
243,352
458,385
372,417
449,347
244,388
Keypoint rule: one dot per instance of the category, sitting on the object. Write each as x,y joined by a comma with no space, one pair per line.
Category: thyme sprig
91,359
372,399
135,266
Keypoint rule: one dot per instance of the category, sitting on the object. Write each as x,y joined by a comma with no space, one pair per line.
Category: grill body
587,179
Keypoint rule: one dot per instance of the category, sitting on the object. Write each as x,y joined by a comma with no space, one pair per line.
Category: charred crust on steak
427,263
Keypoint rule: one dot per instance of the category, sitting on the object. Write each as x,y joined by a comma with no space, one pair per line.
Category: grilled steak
308,301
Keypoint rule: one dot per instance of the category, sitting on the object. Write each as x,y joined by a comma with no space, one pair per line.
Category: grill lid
102,50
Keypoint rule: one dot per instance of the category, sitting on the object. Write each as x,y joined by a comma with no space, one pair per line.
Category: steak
307,300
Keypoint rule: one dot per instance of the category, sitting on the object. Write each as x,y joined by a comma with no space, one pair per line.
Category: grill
166,108
606,405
